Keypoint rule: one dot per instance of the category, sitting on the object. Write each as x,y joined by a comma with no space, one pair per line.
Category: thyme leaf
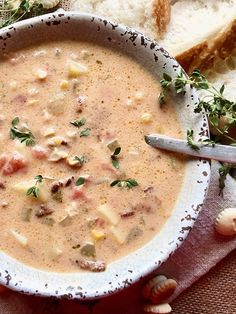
34,190
80,181
78,123
85,132
23,136
221,112
21,11
114,158
129,183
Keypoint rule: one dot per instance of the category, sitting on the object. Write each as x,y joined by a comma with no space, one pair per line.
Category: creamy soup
79,186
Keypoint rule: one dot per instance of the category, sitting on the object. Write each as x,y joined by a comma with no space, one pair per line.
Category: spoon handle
224,153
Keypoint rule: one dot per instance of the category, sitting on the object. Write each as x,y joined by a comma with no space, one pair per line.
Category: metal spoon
224,153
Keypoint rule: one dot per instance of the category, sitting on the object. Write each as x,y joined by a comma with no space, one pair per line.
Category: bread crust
161,12
203,55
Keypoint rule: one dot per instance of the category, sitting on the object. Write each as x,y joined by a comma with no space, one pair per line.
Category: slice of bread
149,17
194,31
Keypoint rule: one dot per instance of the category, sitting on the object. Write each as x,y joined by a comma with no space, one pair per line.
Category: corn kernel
146,118
97,235
41,74
64,84
76,69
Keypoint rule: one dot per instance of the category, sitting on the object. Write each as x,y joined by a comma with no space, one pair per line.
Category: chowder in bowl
87,206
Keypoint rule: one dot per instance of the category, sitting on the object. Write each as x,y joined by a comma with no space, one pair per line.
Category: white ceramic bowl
123,272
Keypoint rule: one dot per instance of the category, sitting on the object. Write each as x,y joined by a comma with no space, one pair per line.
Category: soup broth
79,186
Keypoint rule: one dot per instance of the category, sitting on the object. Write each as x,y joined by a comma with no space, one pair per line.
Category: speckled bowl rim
125,271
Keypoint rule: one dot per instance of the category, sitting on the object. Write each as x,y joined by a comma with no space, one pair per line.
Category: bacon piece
3,159
21,99
14,164
39,152
95,266
79,193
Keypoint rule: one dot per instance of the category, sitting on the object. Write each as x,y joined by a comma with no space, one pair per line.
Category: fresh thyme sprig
34,190
129,183
21,11
216,107
196,145
213,102
23,136
114,158
78,123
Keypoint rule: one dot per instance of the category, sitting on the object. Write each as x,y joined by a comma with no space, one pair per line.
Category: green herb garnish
129,183
80,181
224,170
85,132
78,123
23,136
214,103
81,159
216,107
193,144
21,11
34,190
114,158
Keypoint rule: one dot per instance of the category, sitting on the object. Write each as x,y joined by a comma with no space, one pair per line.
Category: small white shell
49,4
158,309
225,223
147,289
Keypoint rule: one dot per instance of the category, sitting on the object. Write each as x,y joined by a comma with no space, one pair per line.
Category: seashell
147,289
49,4
163,290
157,309
225,223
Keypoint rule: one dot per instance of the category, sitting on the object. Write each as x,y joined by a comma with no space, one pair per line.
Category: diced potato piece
139,96
33,91
41,74
46,115
58,154
71,161
65,221
33,102
72,134
129,102
13,85
57,105
85,54
23,186
55,252
22,149
56,141
97,235
72,209
107,212
118,234
49,131
22,240
64,84
113,145
76,69
146,118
